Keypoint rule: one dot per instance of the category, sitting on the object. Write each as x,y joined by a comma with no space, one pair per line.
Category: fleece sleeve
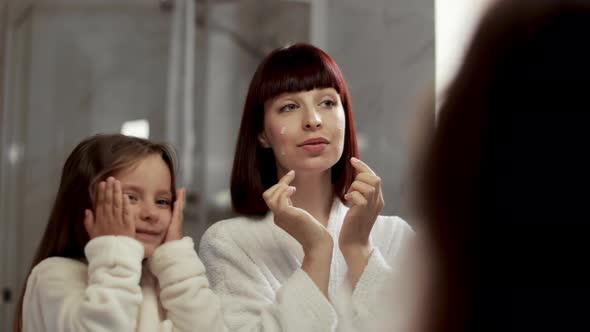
64,295
372,295
184,289
249,301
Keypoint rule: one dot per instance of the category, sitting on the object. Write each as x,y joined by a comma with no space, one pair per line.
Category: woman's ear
263,140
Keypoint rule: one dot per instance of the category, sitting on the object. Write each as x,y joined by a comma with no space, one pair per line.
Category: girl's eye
288,108
132,197
163,202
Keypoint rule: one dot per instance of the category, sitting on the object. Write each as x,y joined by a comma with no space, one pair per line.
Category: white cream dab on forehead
283,129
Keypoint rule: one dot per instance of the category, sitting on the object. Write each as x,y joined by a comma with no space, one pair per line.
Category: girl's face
147,184
304,129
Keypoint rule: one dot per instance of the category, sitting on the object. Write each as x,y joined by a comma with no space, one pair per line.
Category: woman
309,225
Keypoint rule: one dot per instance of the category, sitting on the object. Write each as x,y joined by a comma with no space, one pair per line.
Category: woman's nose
313,121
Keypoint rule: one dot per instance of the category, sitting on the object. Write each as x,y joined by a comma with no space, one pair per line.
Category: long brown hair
92,160
294,68
504,177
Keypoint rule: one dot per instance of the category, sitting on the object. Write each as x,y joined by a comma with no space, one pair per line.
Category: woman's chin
310,165
314,166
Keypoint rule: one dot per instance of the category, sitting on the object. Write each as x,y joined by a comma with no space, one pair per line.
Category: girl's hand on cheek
175,228
112,214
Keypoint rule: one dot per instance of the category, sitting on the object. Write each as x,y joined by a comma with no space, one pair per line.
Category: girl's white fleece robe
116,292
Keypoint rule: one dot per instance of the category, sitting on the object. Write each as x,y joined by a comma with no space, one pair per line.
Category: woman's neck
314,194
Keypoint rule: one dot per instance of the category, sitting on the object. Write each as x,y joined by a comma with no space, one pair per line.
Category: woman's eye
329,103
288,108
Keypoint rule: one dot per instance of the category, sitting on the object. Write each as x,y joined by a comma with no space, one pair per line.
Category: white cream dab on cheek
283,153
283,129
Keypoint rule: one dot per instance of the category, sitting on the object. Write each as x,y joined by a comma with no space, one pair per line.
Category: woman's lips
319,147
315,145
315,140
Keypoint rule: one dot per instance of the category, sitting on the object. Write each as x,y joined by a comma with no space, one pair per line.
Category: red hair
299,67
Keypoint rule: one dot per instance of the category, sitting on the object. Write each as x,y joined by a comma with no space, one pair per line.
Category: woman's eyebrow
286,95
328,94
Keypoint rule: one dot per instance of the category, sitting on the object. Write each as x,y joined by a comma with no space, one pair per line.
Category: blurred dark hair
92,160
294,68
504,178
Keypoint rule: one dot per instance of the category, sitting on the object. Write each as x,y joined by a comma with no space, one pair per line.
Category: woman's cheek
282,136
339,127
340,119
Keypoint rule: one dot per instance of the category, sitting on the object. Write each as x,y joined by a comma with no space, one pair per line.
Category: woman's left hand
175,228
367,202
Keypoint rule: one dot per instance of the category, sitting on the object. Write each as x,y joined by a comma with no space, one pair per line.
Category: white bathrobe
255,267
115,292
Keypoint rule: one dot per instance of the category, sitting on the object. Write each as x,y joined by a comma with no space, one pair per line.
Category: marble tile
89,72
386,50
384,47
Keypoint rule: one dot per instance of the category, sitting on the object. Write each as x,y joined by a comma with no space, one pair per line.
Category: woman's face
304,129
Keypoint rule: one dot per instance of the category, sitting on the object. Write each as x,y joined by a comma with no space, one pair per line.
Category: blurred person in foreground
504,179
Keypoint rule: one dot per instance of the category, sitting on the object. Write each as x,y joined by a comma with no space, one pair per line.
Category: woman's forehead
324,90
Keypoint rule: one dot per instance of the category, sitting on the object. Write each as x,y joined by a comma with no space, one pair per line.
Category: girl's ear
88,222
263,140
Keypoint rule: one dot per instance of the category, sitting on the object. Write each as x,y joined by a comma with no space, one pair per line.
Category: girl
113,257
283,265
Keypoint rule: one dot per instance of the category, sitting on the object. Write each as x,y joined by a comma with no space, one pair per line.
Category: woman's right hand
315,239
112,215
298,223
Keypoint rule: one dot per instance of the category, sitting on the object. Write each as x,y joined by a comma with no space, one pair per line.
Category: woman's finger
274,199
283,200
357,199
365,189
270,191
285,180
370,179
360,166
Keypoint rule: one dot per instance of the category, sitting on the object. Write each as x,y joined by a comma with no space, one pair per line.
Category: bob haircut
92,160
294,68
